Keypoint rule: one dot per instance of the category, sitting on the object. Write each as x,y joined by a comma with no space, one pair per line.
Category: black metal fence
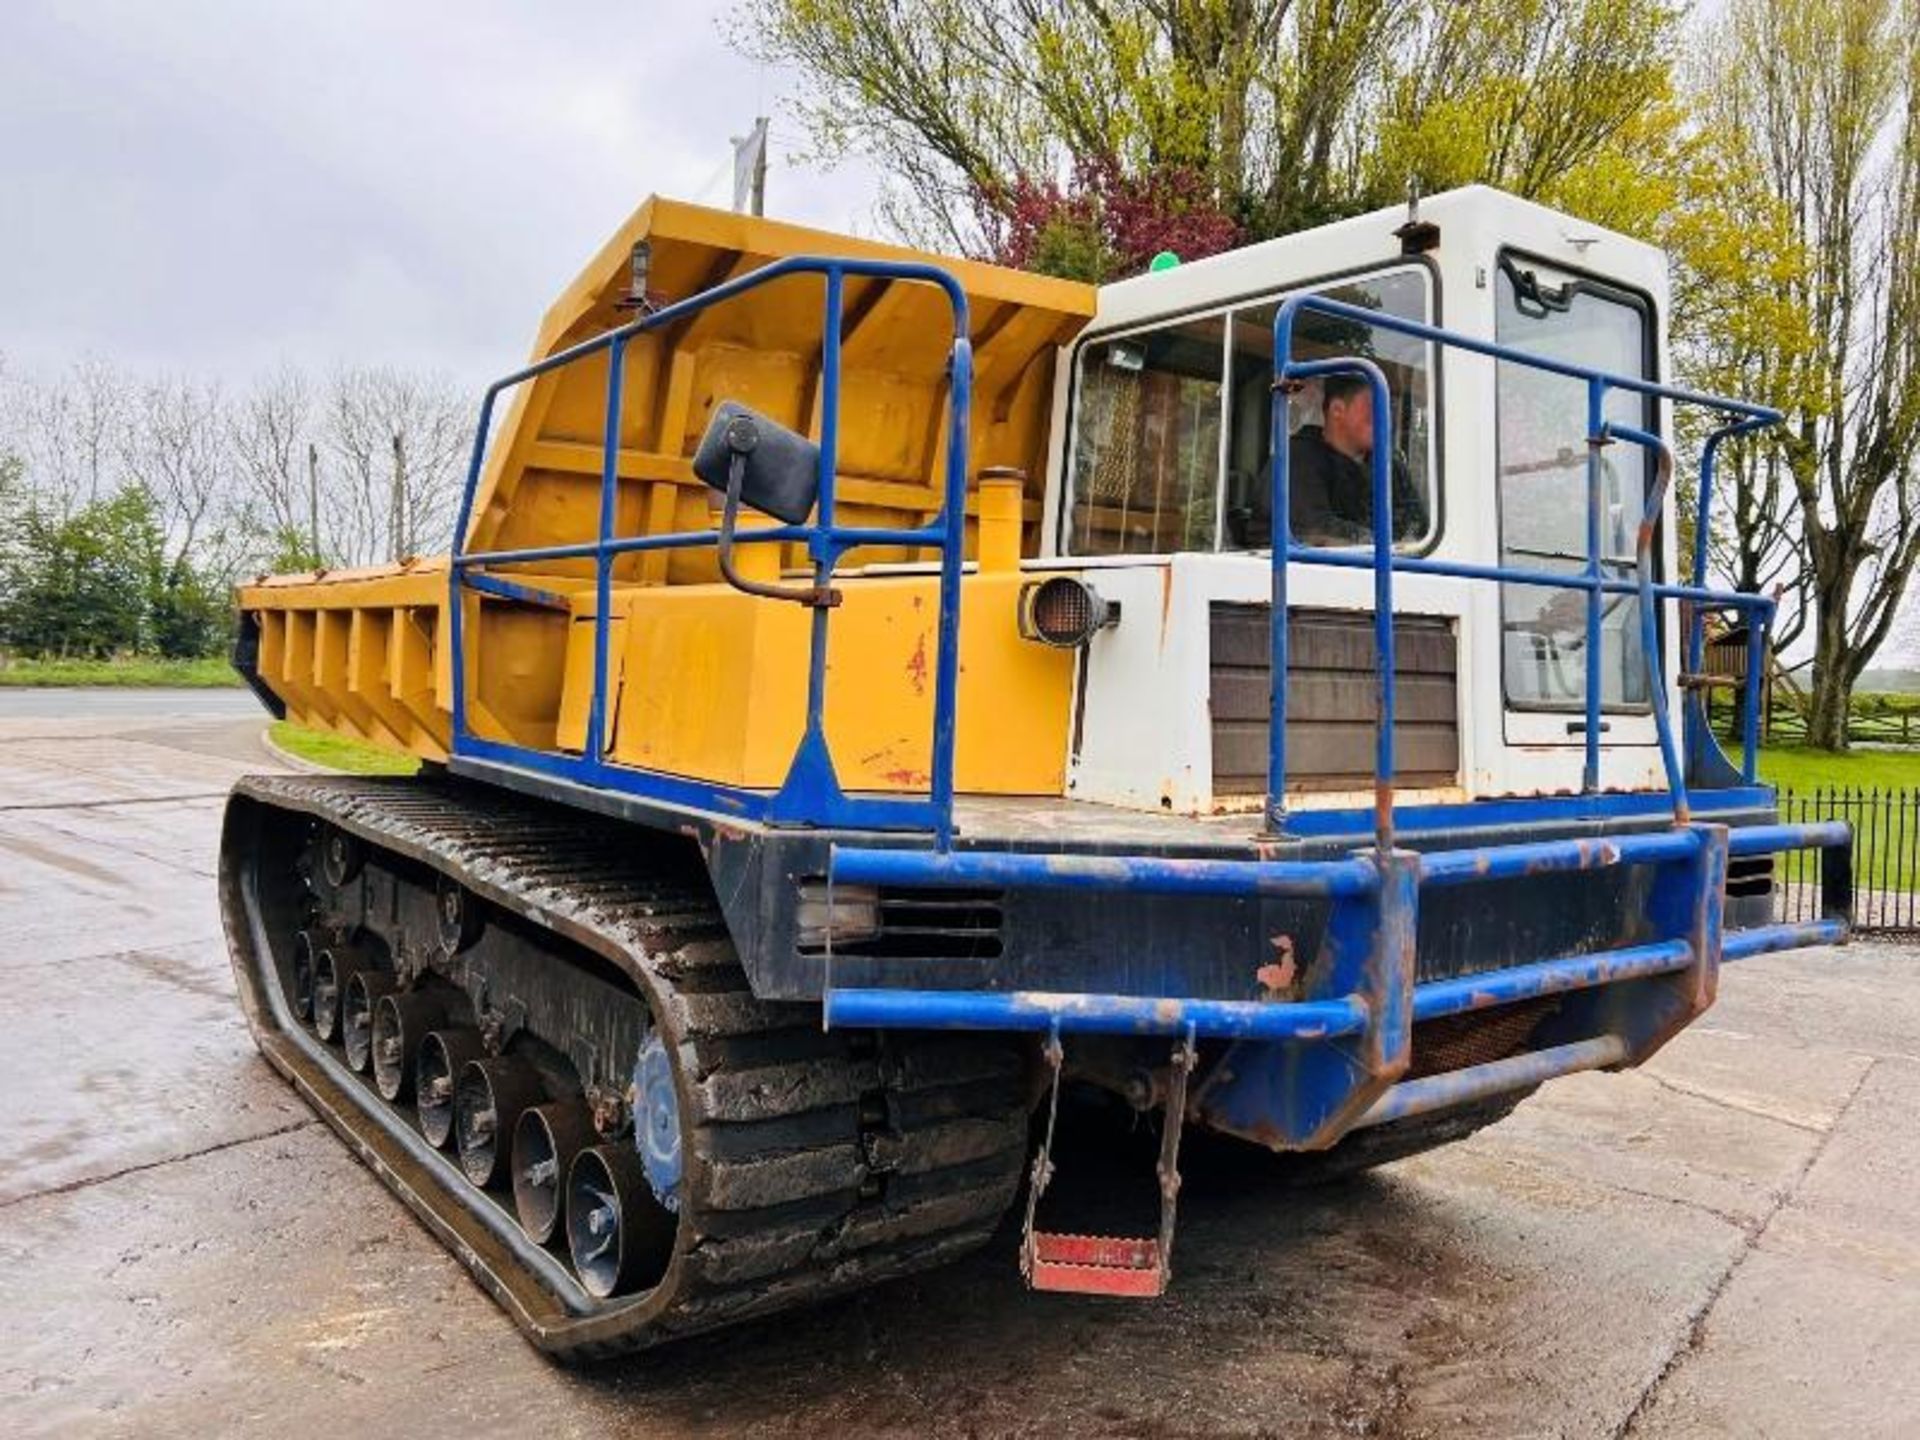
1886,856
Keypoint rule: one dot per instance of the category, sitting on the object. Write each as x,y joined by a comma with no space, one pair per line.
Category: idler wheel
443,1055
303,961
341,856
619,1236
486,1107
401,1020
544,1144
364,991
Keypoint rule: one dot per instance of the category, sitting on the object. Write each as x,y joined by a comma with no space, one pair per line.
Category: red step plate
1097,1265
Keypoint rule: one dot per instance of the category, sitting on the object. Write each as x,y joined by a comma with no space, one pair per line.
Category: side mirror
779,471
759,462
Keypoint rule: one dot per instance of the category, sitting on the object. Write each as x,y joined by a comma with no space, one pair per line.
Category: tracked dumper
868,691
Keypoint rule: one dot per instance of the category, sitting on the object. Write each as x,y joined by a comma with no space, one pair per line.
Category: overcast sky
214,187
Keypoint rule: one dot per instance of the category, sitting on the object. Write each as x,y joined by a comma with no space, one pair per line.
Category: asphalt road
1726,1242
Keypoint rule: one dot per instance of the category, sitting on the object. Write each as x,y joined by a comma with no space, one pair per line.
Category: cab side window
1331,430
1146,457
1172,429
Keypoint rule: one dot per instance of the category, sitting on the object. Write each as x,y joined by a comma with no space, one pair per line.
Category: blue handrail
1382,561
811,791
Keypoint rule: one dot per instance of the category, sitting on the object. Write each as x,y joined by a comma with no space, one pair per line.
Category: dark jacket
1331,498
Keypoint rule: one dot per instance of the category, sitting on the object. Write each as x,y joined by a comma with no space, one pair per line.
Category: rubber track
816,1164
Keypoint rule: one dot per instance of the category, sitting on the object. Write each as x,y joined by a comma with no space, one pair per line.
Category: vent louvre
1331,672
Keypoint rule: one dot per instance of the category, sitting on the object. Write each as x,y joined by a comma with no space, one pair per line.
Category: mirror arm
816,596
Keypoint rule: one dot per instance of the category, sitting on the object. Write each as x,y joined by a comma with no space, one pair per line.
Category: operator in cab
1330,477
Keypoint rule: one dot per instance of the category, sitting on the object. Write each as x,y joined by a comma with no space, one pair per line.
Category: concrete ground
1726,1242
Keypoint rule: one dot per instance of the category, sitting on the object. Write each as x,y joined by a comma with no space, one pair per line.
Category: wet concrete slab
1721,1243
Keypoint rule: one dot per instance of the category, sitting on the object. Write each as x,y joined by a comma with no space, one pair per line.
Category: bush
95,583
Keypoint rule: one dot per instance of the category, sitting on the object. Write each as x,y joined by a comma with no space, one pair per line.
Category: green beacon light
1165,260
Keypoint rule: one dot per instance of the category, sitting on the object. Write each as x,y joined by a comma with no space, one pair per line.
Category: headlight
1064,612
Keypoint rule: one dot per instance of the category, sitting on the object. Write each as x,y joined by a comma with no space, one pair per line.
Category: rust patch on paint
917,665
1279,974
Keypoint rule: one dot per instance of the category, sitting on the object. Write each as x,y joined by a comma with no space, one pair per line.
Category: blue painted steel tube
1703,525
1462,1087
456,619
1278,624
811,776
505,589
946,674
1295,879
595,748
1440,868
1765,939
1770,839
1382,564
1514,575
820,547
845,537
1649,617
1093,1014
1548,977
1376,319
1596,439
1759,635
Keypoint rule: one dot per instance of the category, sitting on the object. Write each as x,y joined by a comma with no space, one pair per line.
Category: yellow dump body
705,681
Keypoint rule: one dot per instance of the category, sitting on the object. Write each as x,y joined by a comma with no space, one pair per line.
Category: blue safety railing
1384,562
811,791
1332,1057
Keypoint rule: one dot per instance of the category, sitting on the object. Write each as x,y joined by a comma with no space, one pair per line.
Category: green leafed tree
1293,112
82,584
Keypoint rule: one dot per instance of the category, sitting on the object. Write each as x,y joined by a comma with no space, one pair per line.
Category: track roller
620,1237
443,1055
303,962
487,1104
401,1020
364,990
457,913
332,968
544,1145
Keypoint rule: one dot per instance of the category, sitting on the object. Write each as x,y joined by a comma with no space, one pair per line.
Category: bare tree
177,447
1822,100
396,443
270,435
67,432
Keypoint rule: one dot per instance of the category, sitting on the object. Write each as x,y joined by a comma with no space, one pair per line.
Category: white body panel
1144,736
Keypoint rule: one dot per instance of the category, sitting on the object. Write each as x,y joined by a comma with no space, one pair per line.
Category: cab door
1542,496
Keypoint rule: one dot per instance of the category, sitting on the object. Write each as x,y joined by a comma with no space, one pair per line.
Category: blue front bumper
1333,1055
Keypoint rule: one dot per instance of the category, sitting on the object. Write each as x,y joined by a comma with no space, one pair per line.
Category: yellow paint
1000,516
704,681
715,687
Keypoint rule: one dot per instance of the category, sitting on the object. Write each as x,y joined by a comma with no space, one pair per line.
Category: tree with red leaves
1103,224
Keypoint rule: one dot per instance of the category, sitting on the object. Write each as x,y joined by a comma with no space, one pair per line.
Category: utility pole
313,501
397,521
750,169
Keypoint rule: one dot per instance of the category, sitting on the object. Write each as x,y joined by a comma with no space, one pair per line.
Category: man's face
1349,424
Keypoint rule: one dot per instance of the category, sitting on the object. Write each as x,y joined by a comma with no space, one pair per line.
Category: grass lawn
1886,836
184,674
339,753
1803,770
